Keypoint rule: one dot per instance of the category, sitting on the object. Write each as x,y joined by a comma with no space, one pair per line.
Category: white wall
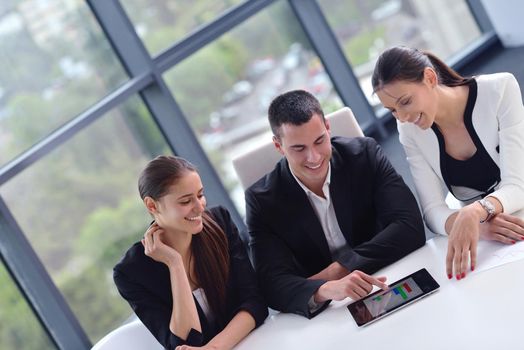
507,19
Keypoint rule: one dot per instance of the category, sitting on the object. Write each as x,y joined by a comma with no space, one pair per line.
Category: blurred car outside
237,92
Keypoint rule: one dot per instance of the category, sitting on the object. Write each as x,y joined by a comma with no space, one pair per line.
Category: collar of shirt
327,217
325,186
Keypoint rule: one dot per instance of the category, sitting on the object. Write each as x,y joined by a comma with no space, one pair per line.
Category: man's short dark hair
295,107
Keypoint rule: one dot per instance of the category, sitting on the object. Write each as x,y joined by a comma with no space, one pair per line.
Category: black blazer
376,212
145,284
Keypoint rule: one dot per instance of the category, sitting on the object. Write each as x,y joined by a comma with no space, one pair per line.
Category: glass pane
80,209
55,63
161,23
365,28
249,66
19,328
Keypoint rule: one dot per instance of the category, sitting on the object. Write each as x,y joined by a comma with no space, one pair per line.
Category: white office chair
255,163
131,336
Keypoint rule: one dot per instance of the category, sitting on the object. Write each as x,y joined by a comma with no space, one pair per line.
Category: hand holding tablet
402,292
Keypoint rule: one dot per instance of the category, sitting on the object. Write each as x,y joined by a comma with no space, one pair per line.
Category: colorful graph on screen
399,294
403,290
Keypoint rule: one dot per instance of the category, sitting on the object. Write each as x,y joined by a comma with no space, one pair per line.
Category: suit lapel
339,190
304,212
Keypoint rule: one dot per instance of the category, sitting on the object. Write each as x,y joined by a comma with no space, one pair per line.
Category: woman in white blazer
464,136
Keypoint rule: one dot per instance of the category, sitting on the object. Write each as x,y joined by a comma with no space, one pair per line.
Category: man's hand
204,347
334,271
355,285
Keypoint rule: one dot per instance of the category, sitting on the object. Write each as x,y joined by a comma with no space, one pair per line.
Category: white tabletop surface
483,311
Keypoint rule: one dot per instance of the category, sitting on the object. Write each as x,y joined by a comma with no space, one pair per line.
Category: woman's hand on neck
157,247
179,241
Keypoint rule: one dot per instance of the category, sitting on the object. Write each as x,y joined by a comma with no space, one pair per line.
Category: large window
19,328
226,87
366,28
80,209
55,63
160,23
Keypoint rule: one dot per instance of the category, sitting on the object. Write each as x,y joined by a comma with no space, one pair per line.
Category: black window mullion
212,31
330,53
481,17
71,128
36,286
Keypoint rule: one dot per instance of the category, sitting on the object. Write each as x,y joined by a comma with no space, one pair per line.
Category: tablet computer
400,293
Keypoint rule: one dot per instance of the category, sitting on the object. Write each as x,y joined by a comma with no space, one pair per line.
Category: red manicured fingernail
513,242
458,277
472,268
449,276
463,275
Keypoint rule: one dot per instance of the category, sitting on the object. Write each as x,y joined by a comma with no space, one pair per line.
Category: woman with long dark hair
464,136
189,280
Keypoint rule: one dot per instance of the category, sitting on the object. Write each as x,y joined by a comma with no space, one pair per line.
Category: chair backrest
255,163
131,336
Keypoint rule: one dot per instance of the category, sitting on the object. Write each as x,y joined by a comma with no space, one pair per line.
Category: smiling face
412,102
307,148
180,210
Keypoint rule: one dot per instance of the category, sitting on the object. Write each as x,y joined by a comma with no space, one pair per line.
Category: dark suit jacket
376,212
145,284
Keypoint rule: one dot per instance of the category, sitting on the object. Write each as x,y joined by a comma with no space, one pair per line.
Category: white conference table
482,311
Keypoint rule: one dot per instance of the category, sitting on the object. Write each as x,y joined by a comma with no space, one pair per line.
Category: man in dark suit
332,211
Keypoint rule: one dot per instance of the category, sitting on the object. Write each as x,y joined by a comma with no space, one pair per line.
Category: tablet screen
397,295
400,293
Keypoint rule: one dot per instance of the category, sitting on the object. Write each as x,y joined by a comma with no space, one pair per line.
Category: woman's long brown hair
209,248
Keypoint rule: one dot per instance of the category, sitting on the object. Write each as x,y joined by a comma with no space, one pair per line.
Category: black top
377,214
145,284
480,172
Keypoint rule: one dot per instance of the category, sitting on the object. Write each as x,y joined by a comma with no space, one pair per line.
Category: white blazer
498,119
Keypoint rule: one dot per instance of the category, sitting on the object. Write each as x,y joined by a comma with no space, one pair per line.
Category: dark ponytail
209,248
402,63
446,75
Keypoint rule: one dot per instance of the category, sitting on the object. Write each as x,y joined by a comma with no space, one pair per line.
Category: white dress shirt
201,297
325,211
